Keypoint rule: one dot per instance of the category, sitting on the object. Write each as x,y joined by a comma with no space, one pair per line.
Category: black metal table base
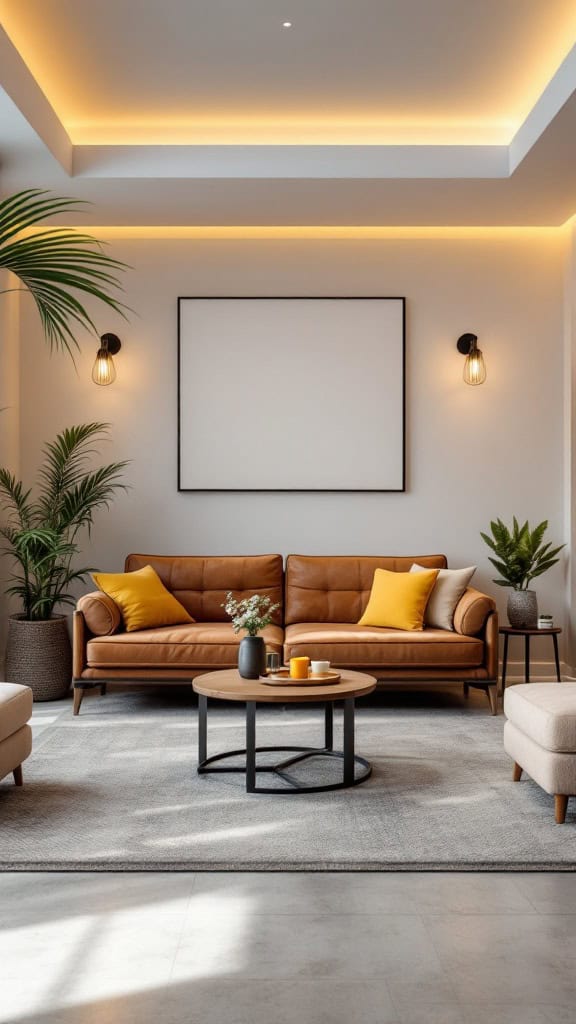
348,757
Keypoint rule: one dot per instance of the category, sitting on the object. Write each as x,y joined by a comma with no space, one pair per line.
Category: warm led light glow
474,368
345,232
103,371
295,129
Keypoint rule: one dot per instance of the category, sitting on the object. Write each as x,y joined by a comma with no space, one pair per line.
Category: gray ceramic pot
252,657
39,655
523,609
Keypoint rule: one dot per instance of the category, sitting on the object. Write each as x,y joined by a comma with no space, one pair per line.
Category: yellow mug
299,668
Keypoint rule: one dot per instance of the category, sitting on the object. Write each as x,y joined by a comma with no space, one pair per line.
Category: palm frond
67,459
54,264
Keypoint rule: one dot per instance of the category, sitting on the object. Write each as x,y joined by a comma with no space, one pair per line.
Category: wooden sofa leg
103,689
492,693
516,772
466,690
78,696
18,778
560,808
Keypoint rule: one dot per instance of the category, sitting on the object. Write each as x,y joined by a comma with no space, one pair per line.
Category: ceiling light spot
286,24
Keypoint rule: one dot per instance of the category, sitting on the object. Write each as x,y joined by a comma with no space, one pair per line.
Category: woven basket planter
39,655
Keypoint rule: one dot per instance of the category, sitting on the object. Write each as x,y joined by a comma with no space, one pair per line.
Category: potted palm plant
521,556
41,535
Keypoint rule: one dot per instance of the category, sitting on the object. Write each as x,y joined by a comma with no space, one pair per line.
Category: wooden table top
229,685
512,630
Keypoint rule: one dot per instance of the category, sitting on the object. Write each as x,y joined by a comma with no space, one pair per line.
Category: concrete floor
287,948
184,948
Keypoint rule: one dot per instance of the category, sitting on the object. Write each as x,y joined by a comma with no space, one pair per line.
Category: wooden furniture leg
103,689
504,663
466,690
78,696
492,693
560,807
516,772
17,773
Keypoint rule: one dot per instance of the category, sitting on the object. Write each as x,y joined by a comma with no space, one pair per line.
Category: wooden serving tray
281,677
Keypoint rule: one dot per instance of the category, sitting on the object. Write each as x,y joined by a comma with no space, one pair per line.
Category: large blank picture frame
291,394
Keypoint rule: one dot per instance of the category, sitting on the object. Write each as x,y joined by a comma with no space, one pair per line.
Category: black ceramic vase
252,657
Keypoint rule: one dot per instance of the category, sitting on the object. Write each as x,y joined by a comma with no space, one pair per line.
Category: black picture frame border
289,490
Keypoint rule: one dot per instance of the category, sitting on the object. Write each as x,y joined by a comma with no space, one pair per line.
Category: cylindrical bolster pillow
472,611
101,613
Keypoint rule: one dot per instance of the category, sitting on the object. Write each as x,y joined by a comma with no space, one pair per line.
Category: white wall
9,400
473,453
570,443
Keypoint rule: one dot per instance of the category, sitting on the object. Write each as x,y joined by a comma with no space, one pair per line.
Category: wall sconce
104,371
474,367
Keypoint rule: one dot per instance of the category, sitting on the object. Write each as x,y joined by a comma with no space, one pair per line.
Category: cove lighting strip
320,232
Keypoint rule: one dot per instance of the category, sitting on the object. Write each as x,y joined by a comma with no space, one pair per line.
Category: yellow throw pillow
396,602
143,599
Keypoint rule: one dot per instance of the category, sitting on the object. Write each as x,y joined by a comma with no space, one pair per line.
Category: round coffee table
228,685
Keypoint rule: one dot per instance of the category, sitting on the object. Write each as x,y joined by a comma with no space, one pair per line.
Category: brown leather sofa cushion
337,588
471,612
200,583
347,644
199,645
101,613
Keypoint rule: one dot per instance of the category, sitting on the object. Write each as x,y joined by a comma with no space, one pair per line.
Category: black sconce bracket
112,343
466,343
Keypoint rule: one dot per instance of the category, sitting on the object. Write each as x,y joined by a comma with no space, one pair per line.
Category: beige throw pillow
447,591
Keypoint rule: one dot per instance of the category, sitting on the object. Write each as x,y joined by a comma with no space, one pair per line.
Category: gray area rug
116,788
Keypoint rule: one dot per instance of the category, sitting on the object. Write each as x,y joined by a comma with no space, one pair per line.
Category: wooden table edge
545,630
266,694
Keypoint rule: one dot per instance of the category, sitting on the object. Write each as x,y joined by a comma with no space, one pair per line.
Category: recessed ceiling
347,71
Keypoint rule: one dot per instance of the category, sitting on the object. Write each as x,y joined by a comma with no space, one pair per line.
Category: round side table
508,631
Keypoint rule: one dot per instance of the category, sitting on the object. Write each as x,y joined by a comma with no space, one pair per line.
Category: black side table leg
504,662
527,658
349,741
250,746
556,657
329,726
202,728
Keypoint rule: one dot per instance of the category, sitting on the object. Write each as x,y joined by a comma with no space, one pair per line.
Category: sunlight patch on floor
464,798
222,835
122,953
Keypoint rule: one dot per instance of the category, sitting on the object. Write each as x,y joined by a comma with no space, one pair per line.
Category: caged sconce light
104,371
474,367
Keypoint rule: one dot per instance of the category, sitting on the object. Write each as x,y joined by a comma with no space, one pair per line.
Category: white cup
318,667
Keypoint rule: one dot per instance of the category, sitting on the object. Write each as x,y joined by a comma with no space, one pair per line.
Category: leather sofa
321,599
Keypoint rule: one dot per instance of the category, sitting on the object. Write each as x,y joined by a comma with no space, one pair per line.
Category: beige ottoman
15,733
540,737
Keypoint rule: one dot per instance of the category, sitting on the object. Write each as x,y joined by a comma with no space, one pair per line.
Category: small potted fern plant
520,557
42,536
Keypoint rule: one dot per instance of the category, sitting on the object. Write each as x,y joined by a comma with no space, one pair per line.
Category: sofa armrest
472,612
78,645
491,645
101,614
